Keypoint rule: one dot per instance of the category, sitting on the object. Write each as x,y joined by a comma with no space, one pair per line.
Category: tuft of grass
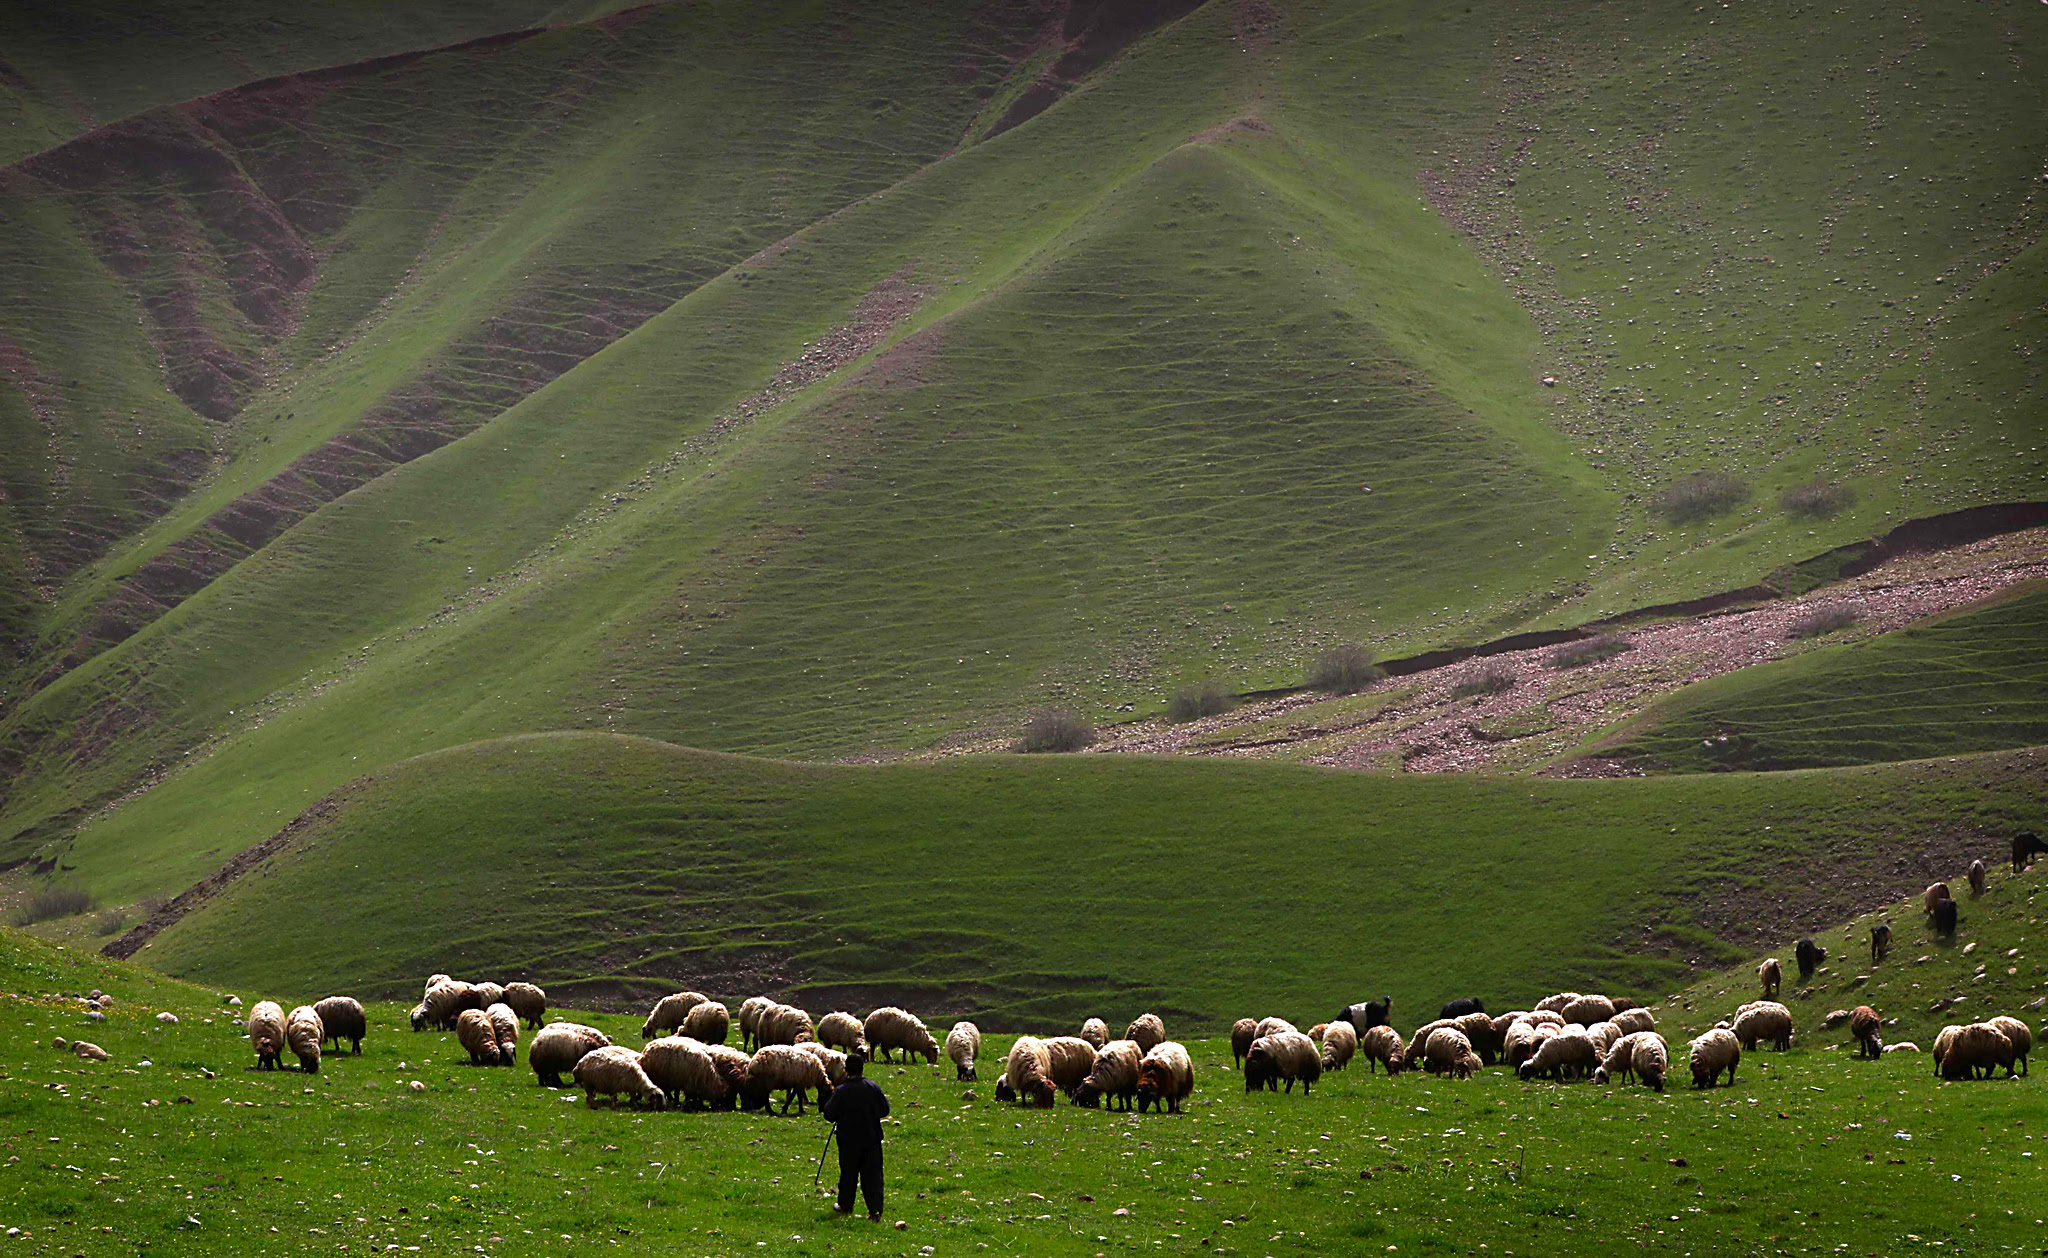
1491,678
1817,499
110,922
1193,702
1822,621
1701,495
1589,651
1055,730
1344,669
51,903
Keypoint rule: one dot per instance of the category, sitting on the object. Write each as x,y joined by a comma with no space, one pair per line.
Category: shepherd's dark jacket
858,1106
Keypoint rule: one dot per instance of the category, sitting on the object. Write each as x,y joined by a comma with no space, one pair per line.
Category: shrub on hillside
1824,620
1700,495
110,922
1056,729
1817,499
51,903
1193,702
1488,679
1588,651
1343,670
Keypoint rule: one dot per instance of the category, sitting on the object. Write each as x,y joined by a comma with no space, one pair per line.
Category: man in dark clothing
857,1108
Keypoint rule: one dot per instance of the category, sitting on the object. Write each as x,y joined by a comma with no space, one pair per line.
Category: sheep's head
1004,1092
1043,1093
1397,1060
419,1017
1087,1095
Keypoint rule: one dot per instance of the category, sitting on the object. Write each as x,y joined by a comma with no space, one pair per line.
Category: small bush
1487,679
1343,670
1817,499
1056,729
1824,620
1700,495
52,903
1588,651
110,922
1194,702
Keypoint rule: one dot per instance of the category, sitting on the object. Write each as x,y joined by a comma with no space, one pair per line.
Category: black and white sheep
1367,1014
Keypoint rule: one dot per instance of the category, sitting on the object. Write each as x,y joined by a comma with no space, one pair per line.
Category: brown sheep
1977,1047
1166,1076
342,1018
1934,895
1976,878
1147,1030
1073,1058
2022,1040
707,1022
1770,974
474,1031
558,1046
1382,1047
842,1031
529,1002
1864,1024
1242,1033
1027,1074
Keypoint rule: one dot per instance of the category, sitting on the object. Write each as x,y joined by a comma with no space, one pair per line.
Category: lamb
473,1028
266,1032
1166,1076
751,1010
1808,955
505,1029
963,1045
302,1030
842,1031
1266,1027
707,1023
1382,1046
1945,918
1096,1032
1770,974
1115,1075
2024,847
1764,1020
1450,1052
558,1046
1147,1030
890,1029
1242,1033
1880,942
615,1070
1976,878
1288,1055
488,994
1027,1075
1461,1006
1711,1053
1366,1015
831,1059
1978,1046
1935,894
684,1071
2022,1039
1566,1055
668,1013
343,1018
1864,1024
1073,1058
1340,1045
789,1068
529,1002
783,1024
1635,1019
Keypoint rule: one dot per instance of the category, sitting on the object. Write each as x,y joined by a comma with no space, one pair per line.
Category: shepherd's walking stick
819,1174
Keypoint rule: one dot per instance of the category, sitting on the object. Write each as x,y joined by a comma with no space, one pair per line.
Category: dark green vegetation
1964,683
358,416
1025,890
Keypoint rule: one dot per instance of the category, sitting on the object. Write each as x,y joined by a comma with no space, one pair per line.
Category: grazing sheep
783,1024
1027,1075
529,1002
1287,1055
1461,1006
505,1029
963,1045
1979,1046
842,1031
1622,1003
1147,1030
1449,1052
434,980
1864,1024
2022,1039
1619,1062
1545,1017
890,1030
1651,1059
1382,1047
266,1032
1266,1027
1096,1032
789,1068
558,1046
1945,918
1522,1041
1367,1014
444,1001
418,1016
1421,1037
683,1070
1115,1076
1566,1055
1712,1053
1166,1076
1976,878
1764,1020
1770,974
488,994
1603,1035
1242,1033
1903,1046
1935,894
1315,1033
343,1018
668,1013
1635,1019
707,1023
1942,1039
1808,955
474,1030
615,1071
751,1010
831,1059
1880,942
1073,1058
1478,1028
303,1032
1340,1045
2024,847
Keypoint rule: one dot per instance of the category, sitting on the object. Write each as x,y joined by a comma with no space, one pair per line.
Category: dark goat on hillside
2025,845
1809,955
1945,918
1461,1006
1880,942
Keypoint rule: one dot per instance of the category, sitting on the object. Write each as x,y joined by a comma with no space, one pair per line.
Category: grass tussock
1343,670
1492,678
1817,499
51,903
1056,729
1701,495
1589,651
1822,621
1200,699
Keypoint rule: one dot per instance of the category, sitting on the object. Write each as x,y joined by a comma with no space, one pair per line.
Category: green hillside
1026,890
1968,682
495,406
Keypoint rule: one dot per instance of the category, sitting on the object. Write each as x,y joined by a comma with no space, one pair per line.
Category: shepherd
856,1111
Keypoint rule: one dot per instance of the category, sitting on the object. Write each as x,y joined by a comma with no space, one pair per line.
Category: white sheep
1603,1035
783,1024
1115,1075
1266,1027
558,1046
344,1019
444,1001
1072,1058
1651,1060
707,1022
1588,1009
266,1032
1556,1003
2022,1039
1340,1045
1147,1030
615,1071
1382,1047
303,1032
1763,1021
488,994
1979,1046
749,1018
474,1031
1096,1032
1288,1056
683,1070
790,1069
963,1045
1711,1053
1619,1062
529,1002
505,1029
1631,1021
1942,1039
1569,1054
1166,1077
831,1059
842,1031
668,1013
1027,1073
890,1029
1449,1051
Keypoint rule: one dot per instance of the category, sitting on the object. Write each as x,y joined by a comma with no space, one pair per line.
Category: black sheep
2025,845
1880,942
1370,1014
1945,918
1461,1006
1809,955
